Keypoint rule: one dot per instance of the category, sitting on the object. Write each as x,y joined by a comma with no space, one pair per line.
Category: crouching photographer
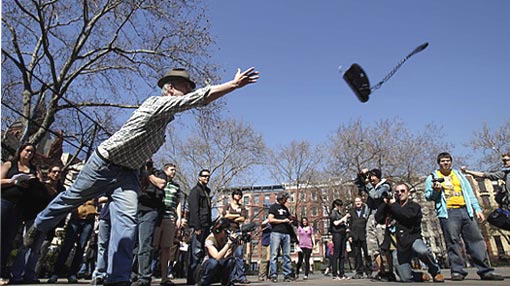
219,247
407,216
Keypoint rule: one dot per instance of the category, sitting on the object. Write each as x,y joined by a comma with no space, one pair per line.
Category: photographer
377,188
236,213
149,206
219,247
501,220
407,215
457,208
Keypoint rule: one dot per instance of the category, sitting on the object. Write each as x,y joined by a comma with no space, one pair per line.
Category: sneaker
345,277
305,277
72,279
97,281
457,276
31,236
492,276
274,279
439,278
262,279
289,279
53,279
391,277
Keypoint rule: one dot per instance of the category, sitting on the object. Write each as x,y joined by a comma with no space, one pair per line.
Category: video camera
243,234
436,179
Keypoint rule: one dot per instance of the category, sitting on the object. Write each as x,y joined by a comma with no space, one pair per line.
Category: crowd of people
131,220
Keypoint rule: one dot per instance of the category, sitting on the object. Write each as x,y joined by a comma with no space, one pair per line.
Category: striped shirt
144,133
171,199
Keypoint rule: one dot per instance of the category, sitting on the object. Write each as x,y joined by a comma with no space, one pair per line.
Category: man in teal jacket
456,207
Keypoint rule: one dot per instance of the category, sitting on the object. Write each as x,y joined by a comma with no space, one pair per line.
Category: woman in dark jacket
338,227
15,177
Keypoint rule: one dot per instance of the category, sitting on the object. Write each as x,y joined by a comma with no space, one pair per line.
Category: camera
436,179
387,195
243,234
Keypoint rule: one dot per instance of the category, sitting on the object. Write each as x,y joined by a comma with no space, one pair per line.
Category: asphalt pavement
320,279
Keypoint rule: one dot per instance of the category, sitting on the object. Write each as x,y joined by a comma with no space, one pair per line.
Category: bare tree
492,144
387,145
228,148
296,164
62,54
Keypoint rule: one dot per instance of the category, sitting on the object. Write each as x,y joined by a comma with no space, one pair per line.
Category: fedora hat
175,73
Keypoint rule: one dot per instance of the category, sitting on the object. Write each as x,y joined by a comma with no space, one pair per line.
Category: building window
302,195
292,197
256,199
314,195
324,195
267,199
303,211
314,211
325,223
246,200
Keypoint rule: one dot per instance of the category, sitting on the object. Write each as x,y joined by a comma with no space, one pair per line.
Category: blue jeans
419,249
239,272
77,231
103,235
216,271
146,225
196,253
100,177
280,240
26,260
459,223
11,220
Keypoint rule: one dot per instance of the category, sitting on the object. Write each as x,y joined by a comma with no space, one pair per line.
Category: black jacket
341,228
407,219
200,207
357,224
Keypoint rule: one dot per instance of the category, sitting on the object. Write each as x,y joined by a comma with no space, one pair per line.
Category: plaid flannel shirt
144,133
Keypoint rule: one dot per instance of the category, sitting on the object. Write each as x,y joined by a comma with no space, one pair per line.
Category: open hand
243,78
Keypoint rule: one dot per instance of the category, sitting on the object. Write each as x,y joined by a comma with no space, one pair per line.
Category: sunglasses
205,176
400,191
505,160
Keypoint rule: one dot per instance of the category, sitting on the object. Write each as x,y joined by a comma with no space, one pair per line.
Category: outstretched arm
473,173
240,80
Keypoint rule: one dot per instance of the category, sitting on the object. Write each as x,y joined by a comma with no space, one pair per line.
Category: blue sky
459,82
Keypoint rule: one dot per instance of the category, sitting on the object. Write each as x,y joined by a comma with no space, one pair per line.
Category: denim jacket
472,204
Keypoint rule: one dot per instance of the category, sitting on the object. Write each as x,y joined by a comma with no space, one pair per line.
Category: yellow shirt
452,190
